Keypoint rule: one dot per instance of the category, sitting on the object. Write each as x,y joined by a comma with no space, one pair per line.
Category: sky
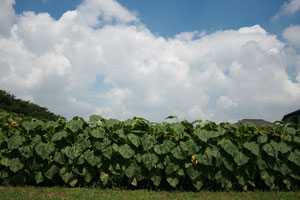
214,60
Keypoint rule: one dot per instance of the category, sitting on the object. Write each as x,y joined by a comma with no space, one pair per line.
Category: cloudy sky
210,59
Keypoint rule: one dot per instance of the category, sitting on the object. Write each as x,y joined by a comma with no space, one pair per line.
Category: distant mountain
10,103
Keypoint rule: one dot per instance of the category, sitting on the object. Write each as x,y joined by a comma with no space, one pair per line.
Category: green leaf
171,167
228,146
69,152
90,157
51,172
98,132
104,178
59,158
240,158
130,170
262,139
205,159
284,148
269,180
173,180
102,145
59,135
227,164
49,124
29,125
193,173
74,125
134,139
190,146
295,157
148,142
44,149
73,182
166,147
178,153
107,152
270,150
65,175
39,177
171,117
126,151
150,160
88,173
156,178
95,118
253,147
198,184
15,141
15,165
203,135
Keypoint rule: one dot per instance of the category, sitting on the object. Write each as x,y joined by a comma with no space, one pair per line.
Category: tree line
10,103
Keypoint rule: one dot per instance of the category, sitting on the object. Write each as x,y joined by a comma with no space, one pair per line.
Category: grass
14,193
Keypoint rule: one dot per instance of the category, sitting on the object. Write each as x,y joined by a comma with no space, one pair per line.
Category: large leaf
284,148
295,157
134,139
253,147
240,158
203,135
39,177
178,153
44,149
59,158
131,169
66,175
166,147
173,180
156,178
59,135
150,160
75,125
15,141
98,132
148,142
228,146
205,159
53,170
271,150
104,177
171,167
88,173
29,125
126,151
190,146
193,172
91,158
15,165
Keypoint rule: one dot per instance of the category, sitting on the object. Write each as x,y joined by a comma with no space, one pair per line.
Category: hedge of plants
142,154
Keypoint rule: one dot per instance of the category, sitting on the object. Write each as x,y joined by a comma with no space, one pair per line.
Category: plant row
138,153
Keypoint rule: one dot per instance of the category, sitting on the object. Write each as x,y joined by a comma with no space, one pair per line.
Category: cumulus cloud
7,15
101,59
289,8
292,35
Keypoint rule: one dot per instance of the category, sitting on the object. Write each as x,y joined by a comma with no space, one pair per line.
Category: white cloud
7,15
217,76
292,35
289,8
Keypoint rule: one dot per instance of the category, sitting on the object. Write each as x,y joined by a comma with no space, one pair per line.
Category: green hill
10,103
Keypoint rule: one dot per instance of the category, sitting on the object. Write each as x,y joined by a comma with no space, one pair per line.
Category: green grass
13,193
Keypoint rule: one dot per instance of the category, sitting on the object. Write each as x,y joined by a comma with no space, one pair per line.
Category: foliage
138,153
10,103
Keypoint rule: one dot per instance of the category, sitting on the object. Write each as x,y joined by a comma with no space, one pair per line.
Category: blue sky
197,59
170,17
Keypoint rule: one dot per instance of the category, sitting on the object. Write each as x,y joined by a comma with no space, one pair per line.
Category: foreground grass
14,193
